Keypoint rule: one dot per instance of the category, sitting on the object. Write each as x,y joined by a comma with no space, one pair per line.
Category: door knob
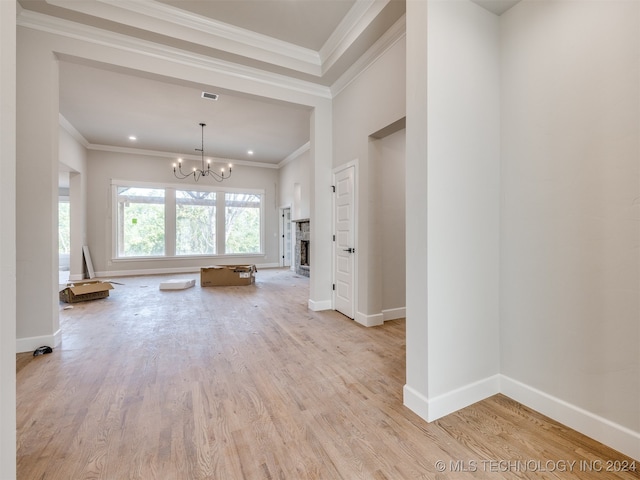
350,250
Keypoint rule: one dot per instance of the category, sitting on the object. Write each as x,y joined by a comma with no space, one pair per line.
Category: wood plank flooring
246,383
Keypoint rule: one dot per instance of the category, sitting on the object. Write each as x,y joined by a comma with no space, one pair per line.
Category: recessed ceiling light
132,137
249,152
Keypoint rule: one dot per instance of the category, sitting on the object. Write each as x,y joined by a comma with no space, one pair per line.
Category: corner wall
8,240
372,101
570,258
294,186
37,137
453,205
74,157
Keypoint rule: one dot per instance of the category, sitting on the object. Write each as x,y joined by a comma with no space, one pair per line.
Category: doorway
285,237
64,229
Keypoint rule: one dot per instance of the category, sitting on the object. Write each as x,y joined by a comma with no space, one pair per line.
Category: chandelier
205,170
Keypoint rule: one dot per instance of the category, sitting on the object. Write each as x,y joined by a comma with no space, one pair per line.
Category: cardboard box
227,275
85,290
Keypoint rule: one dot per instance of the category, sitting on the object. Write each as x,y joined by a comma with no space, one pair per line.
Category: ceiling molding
350,28
71,130
396,33
154,16
174,156
295,154
89,34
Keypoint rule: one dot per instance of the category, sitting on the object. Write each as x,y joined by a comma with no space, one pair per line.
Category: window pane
140,222
64,229
195,222
242,223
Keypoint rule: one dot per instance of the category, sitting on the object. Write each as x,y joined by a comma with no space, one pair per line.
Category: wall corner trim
319,305
614,435
431,409
369,320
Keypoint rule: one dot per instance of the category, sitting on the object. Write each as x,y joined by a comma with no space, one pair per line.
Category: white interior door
344,241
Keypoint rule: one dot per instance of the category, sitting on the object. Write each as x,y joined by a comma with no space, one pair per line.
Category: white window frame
170,219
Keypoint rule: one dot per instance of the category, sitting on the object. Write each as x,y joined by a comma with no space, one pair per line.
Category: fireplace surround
302,262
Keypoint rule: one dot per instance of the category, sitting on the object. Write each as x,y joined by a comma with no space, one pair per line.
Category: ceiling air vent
210,96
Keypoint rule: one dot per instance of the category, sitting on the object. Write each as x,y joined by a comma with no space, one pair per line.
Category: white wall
37,193
570,262
74,158
7,240
294,185
462,130
105,166
374,100
389,156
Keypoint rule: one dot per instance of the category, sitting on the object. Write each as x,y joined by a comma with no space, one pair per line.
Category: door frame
334,172
281,232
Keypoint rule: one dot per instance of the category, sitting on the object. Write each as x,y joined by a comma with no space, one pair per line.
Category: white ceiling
313,42
309,41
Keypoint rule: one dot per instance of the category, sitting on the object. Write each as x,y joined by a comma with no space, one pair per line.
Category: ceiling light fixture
205,170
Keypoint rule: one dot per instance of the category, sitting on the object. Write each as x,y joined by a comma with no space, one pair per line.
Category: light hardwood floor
245,382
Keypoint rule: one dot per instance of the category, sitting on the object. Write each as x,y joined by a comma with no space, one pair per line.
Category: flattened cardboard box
227,275
85,290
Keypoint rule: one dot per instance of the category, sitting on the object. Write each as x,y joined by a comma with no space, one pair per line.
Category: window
64,229
242,223
198,222
195,222
140,230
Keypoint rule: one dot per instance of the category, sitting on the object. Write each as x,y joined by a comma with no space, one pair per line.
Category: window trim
170,222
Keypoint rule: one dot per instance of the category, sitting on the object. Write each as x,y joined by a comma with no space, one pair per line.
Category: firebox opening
304,253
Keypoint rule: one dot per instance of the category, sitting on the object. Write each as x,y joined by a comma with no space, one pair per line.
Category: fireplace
303,252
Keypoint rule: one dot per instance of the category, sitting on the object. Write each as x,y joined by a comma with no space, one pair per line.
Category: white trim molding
431,409
369,320
614,435
29,344
319,305
394,313
95,36
610,433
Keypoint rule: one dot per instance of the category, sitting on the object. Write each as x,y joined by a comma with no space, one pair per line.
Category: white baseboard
394,313
369,320
29,344
616,436
319,305
416,402
433,408
605,431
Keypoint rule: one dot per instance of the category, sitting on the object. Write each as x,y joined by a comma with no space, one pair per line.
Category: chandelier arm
202,172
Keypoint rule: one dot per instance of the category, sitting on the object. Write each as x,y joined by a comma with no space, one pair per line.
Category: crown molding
89,34
154,16
295,154
396,33
71,130
350,28
174,156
